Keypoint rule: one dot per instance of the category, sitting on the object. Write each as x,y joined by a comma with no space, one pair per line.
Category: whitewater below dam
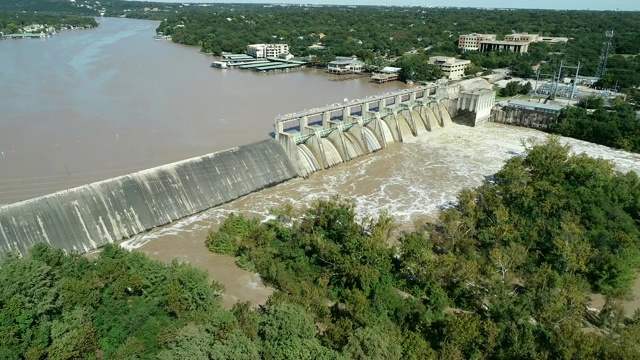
411,180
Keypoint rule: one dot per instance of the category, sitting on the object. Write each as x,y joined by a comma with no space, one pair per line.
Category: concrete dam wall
320,138
87,217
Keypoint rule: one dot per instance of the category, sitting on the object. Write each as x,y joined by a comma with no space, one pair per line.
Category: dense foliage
618,127
11,23
515,87
505,274
393,31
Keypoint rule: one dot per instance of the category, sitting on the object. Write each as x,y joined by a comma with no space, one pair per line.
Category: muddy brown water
84,106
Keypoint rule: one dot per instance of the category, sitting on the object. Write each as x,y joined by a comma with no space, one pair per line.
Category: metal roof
530,104
275,67
346,62
254,64
390,69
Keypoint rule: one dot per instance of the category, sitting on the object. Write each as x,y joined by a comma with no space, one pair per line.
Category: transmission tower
606,47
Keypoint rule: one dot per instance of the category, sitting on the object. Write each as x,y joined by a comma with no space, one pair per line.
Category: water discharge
417,119
371,141
81,118
331,153
309,161
353,149
403,125
410,180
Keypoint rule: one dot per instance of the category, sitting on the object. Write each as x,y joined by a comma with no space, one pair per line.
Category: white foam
410,180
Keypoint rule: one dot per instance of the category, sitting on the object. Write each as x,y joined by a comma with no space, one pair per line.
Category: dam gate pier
320,138
90,216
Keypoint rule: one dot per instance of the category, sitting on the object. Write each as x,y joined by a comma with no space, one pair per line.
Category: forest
394,31
616,126
504,273
382,34
11,23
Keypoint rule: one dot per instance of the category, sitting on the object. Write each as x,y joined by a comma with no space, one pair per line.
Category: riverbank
412,181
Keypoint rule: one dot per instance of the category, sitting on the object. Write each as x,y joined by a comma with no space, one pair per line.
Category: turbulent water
411,180
89,105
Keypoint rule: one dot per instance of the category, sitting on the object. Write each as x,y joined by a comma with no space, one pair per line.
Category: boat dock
246,62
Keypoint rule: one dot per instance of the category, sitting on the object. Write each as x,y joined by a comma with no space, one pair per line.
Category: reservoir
89,105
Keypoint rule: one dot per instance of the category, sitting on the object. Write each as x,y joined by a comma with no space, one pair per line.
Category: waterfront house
346,66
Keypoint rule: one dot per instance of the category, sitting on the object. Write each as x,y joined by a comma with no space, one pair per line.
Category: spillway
371,141
87,217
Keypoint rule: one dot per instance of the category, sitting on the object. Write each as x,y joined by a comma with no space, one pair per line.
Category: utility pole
606,47
575,82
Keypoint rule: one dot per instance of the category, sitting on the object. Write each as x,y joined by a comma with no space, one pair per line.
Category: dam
84,218
320,138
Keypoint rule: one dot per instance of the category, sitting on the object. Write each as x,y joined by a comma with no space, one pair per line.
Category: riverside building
267,50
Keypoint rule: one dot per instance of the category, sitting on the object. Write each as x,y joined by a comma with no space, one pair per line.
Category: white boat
219,64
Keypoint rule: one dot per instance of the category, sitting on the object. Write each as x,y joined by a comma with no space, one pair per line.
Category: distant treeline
345,31
13,22
374,31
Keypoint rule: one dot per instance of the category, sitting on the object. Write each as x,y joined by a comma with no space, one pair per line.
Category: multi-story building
524,37
267,50
471,42
451,67
499,45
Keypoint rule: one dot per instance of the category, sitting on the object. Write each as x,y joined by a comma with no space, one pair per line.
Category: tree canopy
504,274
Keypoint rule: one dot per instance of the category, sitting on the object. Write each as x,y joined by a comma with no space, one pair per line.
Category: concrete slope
87,217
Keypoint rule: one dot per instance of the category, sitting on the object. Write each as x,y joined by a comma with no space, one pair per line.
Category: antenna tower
606,47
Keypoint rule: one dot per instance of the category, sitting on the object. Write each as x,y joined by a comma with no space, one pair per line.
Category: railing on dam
319,138
352,103
90,216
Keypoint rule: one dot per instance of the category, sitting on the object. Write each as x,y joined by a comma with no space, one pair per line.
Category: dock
383,78
247,62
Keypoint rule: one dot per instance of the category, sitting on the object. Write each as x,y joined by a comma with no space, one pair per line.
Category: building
452,68
474,106
471,42
345,66
534,106
267,50
552,39
524,37
527,113
387,74
499,45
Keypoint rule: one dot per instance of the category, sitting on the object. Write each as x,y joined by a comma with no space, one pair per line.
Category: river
112,100
87,105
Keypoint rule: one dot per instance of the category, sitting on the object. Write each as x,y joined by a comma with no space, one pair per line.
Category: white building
452,68
471,42
524,37
267,50
343,66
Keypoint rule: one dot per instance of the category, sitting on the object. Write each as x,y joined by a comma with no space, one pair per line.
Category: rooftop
503,42
390,70
346,62
522,103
